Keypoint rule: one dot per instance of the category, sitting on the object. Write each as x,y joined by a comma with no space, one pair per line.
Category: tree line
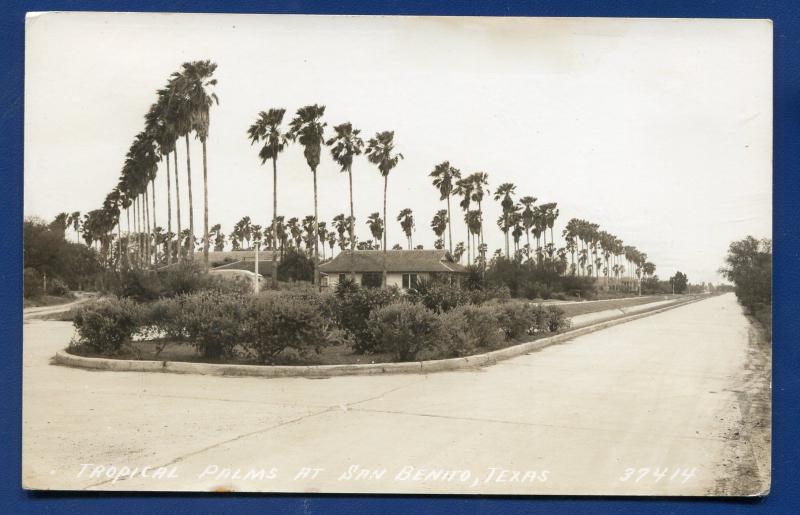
183,107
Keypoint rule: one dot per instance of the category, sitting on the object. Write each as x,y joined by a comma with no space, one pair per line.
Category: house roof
396,261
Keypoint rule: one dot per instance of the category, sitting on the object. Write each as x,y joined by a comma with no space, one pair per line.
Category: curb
63,357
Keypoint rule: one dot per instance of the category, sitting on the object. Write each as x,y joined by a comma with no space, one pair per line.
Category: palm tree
459,251
481,183
504,194
323,235
406,219
344,146
196,84
307,128
74,220
380,152
527,216
444,177
473,221
439,225
376,226
267,128
464,188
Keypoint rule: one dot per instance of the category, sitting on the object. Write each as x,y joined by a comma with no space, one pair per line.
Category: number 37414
658,475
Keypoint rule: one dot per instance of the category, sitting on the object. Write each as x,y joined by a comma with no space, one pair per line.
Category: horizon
648,124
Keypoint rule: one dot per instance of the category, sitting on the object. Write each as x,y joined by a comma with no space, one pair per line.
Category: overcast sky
658,130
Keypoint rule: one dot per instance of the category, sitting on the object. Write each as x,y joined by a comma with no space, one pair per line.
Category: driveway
672,404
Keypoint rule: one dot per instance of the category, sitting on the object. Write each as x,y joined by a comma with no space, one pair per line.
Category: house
403,267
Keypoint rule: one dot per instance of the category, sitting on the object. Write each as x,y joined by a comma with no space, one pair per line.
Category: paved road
666,392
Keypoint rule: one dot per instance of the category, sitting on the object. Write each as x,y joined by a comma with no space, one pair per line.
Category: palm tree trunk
147,224
316,234
351,227
205,205
119,243
385,229
469,247
128,243
449,224
169,216
177,203
155,223
275,222
191,204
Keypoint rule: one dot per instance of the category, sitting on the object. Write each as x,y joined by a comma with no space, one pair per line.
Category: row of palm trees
182,108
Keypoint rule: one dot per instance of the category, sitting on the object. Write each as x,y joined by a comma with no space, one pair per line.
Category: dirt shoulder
747,465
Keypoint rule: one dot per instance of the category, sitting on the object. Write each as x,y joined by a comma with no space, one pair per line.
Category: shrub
469,329
439,297
404,329
352,308
139,285
31,283
56,286
104,326
163,319
295,266
517,319
212,321
278,322
557,320
184,278
492,292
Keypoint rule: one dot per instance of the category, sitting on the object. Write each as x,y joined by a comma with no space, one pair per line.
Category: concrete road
672,404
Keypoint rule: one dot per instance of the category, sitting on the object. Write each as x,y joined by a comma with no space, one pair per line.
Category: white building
403,267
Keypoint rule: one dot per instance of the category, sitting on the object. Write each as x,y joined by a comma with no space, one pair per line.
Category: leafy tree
748,266
679,282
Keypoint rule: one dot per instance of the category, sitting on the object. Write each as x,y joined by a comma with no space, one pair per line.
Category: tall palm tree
406,219
527,216
464,188
444,178
344,146
504,194
198,81
267,128
74,220
473,221
307,128
323,235
380,152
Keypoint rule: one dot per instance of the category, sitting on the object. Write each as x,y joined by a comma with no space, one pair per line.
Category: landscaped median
424,366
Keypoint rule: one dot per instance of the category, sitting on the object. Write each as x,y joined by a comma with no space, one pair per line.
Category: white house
403,267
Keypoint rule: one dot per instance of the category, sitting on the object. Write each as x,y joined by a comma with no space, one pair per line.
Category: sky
658,130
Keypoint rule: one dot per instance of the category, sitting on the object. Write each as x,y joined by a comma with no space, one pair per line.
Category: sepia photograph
397,254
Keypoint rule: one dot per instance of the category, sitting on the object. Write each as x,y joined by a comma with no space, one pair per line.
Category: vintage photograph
385,254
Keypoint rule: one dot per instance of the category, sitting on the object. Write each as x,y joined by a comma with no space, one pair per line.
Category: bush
404,329
31,283
277,322
557,320
211,320
163,319
104,326
56,286
352,308
487,293
439,297
186,277
139,285
295,266
516,319
469,329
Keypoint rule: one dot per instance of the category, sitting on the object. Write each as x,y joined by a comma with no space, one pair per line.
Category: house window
342,278
409,281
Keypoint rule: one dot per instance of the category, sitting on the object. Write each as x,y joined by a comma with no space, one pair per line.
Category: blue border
785,491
